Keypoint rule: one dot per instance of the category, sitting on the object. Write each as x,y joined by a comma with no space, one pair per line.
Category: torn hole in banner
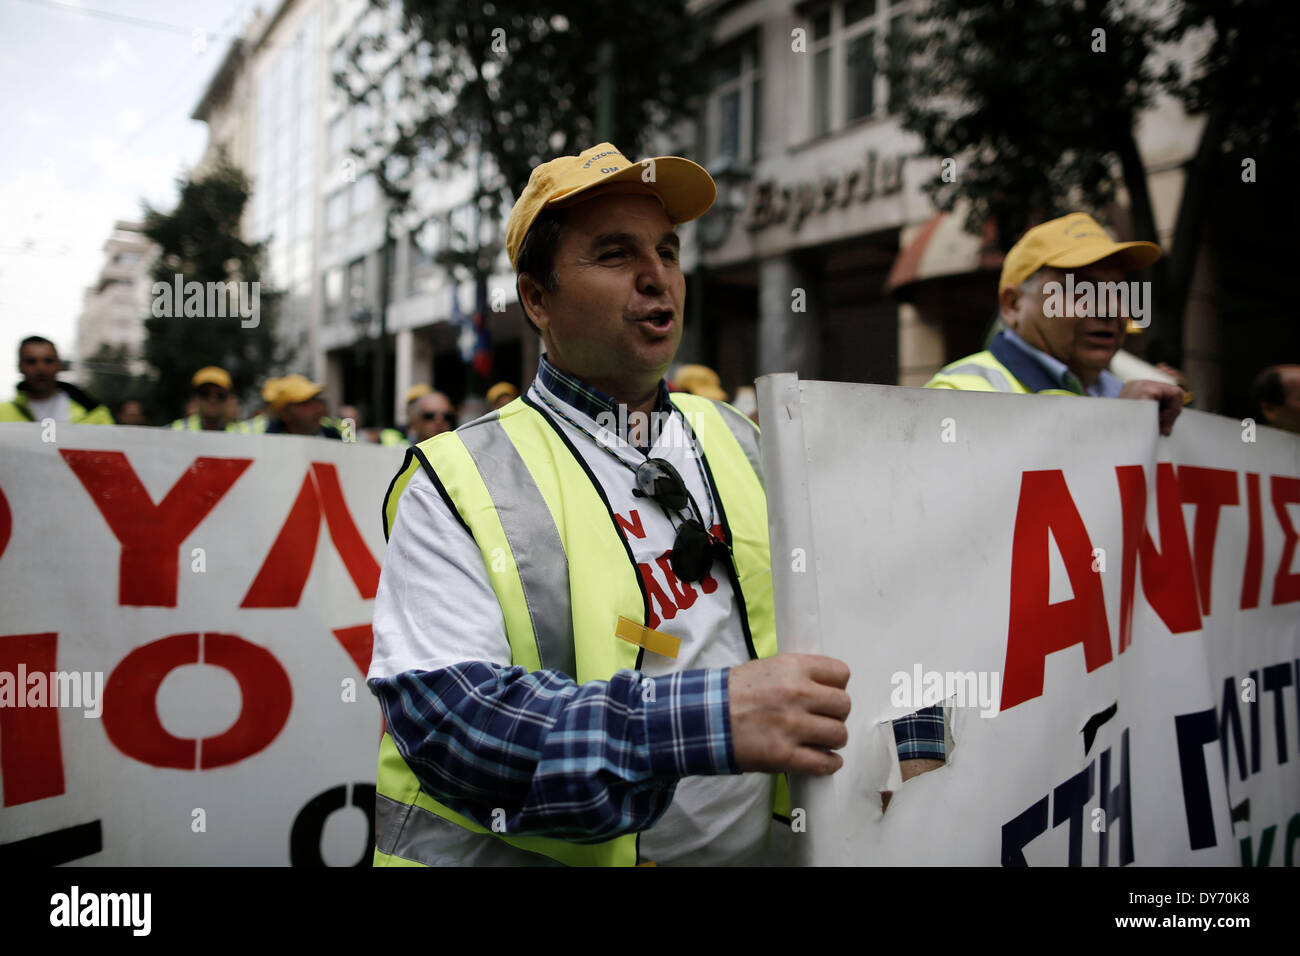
924,727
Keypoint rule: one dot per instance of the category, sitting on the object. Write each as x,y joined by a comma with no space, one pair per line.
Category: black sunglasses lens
692,553
657,479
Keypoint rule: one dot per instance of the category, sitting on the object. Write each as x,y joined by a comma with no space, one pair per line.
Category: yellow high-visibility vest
573,624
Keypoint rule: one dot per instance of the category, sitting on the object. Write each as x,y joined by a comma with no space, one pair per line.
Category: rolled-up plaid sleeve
921,735
584,763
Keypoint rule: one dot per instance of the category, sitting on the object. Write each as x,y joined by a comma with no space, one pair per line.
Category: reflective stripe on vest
746,434
477,471
534,542
982,372
991,375
192,423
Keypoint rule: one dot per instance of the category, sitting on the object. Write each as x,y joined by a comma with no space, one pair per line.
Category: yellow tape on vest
654,641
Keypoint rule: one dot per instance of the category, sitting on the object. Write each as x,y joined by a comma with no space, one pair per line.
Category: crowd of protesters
293,404
290,405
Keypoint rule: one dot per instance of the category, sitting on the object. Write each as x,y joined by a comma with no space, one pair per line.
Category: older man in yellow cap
212,393
260,422
1066,304
699,380
575,648
300,409
500,395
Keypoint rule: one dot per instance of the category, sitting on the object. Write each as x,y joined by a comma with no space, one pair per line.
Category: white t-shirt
55,407
434,572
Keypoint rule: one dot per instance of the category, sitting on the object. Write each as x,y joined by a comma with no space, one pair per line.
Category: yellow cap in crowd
685,189
699,380
1071,242
295,388
211,375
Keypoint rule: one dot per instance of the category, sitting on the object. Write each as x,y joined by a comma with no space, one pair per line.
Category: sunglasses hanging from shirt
695,546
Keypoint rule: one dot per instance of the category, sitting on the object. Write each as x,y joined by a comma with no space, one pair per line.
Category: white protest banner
1111,618
183,646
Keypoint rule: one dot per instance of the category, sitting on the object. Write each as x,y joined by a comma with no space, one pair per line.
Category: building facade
361,283
113,309
822,254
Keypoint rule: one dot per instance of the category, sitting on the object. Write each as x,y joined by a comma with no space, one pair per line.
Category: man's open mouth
659,321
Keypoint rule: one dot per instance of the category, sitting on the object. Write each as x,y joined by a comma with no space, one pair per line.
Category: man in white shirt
42,397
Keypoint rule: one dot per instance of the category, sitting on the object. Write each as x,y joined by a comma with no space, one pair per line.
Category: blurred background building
110,329
822,254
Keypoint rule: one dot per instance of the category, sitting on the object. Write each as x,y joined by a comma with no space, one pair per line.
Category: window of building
356,286
426,242
736,102
336,210
334,294
364,193
848,44
461,234
338,138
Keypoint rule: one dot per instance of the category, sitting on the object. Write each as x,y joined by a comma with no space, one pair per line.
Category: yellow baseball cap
699,380
1068,243
418,390
269,388
295,388
500,389
211,375
685,189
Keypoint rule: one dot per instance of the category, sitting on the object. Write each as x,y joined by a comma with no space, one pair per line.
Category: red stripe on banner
31,758
284,573
151,534
1209,489
1168,576
130,714
361,564
1254,572
1037,627
6,522
267,698
1285,491
359,642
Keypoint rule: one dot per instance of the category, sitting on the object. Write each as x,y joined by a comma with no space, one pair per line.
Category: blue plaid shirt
583,763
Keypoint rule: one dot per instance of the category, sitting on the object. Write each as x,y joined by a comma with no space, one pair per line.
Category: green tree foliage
1038,117
1037,100
523,78
110,379
200,241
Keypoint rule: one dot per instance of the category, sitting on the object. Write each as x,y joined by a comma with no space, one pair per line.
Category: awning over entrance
941,249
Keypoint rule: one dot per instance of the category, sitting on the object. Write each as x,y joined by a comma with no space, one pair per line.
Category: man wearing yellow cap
575,649
699,380
260,422
1066,303
500,395
299,409
211,404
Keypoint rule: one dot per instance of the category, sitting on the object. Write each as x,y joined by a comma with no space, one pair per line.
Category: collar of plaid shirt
592,401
